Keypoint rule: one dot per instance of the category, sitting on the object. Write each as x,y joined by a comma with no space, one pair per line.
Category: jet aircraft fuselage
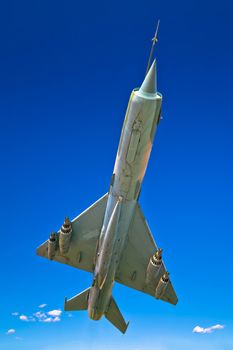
111,239
141,119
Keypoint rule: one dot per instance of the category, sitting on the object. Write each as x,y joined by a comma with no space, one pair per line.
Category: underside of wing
141,266
75,244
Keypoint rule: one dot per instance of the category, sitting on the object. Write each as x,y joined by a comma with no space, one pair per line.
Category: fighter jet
111,239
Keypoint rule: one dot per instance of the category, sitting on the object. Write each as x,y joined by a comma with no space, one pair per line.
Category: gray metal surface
111,238
86,228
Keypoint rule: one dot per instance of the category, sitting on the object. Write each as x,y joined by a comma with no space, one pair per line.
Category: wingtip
38,251
123,331
65,301
127,326
42,250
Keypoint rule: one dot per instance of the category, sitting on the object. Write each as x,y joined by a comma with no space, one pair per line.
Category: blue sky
66,72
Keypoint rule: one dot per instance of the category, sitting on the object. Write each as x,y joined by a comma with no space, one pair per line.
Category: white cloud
11,331
54,313
48,317
23,318
27,318
48,320
42,306
15,314
51,319
40,314
211,329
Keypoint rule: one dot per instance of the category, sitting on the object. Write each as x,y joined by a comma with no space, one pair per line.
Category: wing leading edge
137,269
84,238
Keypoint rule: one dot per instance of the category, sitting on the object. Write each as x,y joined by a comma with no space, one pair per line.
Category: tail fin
78,302
115,317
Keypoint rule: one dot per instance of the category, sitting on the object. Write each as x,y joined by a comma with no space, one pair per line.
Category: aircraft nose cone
149,84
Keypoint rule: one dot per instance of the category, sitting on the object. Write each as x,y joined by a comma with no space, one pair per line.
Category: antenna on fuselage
154,41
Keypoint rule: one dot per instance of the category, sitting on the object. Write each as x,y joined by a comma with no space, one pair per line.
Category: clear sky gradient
66,72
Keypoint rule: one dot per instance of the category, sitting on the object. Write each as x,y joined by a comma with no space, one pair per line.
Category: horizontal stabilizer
115,317
78,302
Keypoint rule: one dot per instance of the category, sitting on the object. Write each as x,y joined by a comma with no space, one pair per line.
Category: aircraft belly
126,215
135,145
